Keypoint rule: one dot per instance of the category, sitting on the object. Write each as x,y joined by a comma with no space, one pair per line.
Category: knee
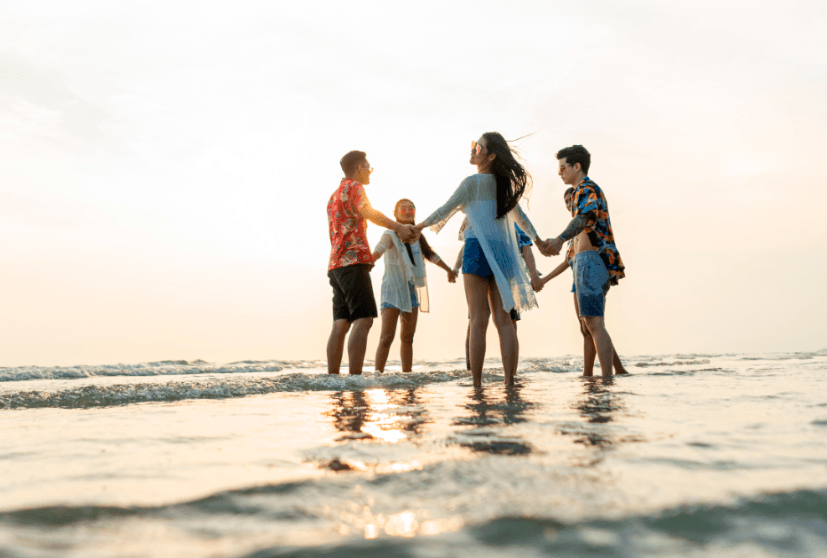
363,324
593,324
407,337
478,322
503,320
584,330
386,339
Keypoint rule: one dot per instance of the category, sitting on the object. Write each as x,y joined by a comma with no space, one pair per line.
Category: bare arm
458,265
528,256
557,271
406,232
382,246
452,276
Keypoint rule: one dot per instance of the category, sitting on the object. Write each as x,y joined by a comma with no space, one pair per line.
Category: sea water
690,455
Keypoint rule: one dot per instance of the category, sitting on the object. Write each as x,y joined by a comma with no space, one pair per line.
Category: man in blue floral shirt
595,259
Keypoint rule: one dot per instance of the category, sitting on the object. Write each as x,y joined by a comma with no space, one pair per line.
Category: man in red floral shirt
351,260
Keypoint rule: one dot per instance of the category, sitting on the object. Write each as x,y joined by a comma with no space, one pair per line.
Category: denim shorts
473,259
591,283
414,301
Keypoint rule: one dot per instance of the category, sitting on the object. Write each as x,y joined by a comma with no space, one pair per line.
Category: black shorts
352,293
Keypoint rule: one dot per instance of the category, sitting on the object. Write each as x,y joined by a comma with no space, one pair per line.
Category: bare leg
336,345
602,342
508,336
406,337
476,294
467,337
618,366
589,352
357,344
389,317
517,342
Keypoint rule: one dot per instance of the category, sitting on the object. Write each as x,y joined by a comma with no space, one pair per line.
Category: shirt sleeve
522,238
586,205
358,198
523,221
384,243
458,199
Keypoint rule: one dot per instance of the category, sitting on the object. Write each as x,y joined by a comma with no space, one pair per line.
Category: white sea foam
162,368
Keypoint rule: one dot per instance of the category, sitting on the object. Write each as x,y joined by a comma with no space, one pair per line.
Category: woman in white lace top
404,286
492,270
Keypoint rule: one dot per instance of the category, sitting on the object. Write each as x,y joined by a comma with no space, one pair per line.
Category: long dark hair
427,251
513,181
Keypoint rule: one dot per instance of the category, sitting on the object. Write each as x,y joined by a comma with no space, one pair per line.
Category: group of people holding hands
496,261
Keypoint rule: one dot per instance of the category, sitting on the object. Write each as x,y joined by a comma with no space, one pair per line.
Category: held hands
408,233
536,283
553,246
452,276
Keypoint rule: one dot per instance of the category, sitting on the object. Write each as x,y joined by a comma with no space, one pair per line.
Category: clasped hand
550,246
408,233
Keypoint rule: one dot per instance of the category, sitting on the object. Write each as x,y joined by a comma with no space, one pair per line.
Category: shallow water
691,455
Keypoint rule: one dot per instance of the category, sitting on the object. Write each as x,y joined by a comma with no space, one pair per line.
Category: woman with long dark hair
404,286
492,271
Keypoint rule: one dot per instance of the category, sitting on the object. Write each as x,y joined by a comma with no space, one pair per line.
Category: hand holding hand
536,283
407,233
555,245
452,276
542,246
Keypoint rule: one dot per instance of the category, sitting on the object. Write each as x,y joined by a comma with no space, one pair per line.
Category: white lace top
400,272
476,197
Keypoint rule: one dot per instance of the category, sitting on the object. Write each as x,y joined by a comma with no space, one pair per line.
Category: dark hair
513,181
350,162
576,154
567,192
427,251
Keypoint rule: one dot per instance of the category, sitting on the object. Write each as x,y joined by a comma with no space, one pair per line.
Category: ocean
690,455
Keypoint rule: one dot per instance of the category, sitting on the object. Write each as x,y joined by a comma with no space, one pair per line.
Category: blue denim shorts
473,259
414,301
591,283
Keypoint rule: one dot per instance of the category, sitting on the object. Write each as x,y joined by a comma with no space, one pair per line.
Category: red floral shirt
348,230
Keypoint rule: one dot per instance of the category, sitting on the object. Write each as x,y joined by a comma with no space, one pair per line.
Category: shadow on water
488,420
600,404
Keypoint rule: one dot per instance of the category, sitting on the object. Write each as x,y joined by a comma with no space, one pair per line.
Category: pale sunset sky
165,167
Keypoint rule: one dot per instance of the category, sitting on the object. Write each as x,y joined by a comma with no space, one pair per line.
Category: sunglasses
476,147
369,169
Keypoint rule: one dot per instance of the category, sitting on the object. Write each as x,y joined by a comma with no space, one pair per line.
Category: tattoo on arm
576,226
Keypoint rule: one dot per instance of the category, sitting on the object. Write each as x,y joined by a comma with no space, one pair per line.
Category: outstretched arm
406,233
577,225
438,218
557,271
452,276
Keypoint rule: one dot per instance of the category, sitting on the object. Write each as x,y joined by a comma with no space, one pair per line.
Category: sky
165,167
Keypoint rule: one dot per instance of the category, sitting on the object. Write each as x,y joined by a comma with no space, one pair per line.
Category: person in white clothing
492,268
404,286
